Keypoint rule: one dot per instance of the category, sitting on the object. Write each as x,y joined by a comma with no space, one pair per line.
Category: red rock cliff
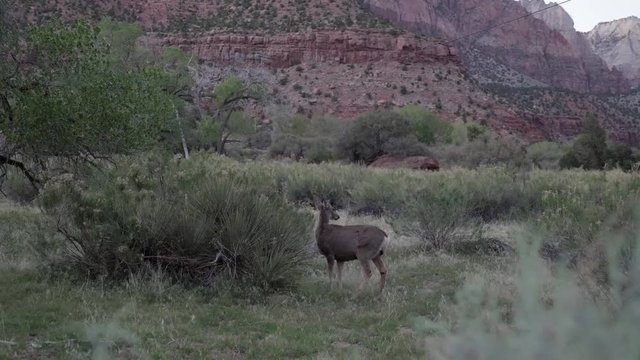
527,45
284,50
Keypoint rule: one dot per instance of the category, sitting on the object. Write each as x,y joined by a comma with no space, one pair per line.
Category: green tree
231,97
377,133
589,150
311,139
121,39
545,154
70,102
620,155
429,127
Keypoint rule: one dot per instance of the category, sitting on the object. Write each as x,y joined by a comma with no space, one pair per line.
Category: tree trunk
221,143
5,160
185,148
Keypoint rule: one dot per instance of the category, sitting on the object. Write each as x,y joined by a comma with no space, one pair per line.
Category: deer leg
366,273
330,262
340,264
382,269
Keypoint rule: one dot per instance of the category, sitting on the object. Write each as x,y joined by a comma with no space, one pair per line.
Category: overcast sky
588,13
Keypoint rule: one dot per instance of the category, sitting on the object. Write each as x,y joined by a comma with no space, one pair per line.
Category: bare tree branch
35,182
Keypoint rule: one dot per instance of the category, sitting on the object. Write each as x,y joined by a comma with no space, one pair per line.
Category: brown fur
337,243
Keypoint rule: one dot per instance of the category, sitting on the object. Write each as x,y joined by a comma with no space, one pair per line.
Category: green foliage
545,154
462,133
589,150
429,128
378,133
440,218
459,134
120,38
172,215
475,130
231,96
487,149
72,103
228,89
299,138
620,156
208,131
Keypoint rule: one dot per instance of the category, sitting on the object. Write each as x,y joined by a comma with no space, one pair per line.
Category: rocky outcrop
527,45
618,43
557,19
410,162
285,50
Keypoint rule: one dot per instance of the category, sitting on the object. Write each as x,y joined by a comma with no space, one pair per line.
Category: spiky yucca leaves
214,228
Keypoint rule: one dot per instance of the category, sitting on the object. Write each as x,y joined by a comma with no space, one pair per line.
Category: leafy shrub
621,156
377,133
589,150
429,128
545,154
440,227
298,138
442,217
195,227
486,149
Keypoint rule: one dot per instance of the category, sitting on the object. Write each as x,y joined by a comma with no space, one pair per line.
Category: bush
545,154
487,149
377,133
589,150
551,317
301,139
620,156
196,227
442,217
428,127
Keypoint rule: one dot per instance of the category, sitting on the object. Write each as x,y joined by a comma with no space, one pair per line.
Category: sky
588,13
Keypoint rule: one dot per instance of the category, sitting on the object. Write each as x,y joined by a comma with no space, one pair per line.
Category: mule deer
337,243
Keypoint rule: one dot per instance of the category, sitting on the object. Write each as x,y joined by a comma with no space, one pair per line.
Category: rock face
528,45
557,19
410,162
285,50
618,43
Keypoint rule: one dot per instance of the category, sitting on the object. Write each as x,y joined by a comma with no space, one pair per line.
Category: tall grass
177,211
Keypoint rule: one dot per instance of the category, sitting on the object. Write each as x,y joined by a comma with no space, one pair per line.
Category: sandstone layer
284,50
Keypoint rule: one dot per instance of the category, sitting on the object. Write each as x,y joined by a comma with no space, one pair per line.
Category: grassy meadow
78,279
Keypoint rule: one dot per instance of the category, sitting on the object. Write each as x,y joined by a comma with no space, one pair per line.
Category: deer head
326,210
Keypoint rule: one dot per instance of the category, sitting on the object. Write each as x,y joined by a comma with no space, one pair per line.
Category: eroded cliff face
333,47
618,43
527,45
